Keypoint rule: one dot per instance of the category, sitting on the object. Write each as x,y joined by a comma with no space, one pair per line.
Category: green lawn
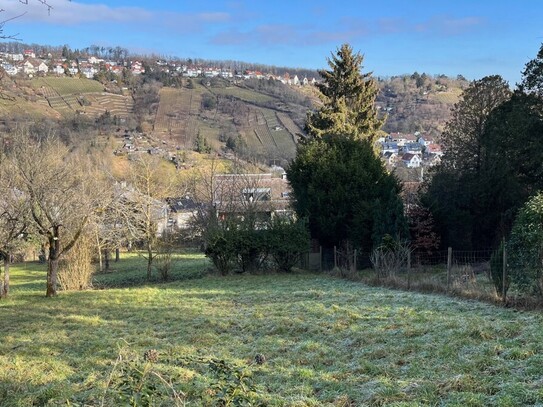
326,341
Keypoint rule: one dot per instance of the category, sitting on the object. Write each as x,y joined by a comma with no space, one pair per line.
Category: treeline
492,170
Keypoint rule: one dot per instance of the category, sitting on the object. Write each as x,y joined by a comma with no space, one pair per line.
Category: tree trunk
100,262
4,281
5,288
117,255
149,260
106,259
52,265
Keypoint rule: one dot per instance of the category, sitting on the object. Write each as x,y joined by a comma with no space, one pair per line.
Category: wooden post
409,270
504,275
335,257
320,258
449,266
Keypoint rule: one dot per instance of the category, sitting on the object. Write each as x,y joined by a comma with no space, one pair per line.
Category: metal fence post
409,270
504,276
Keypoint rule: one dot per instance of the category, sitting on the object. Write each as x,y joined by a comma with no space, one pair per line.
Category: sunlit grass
327,342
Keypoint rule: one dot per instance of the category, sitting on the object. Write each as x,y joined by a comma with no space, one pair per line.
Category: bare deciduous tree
144,202
60,194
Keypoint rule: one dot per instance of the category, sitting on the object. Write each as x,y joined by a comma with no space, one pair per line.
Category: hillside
418,102
262,124
258,120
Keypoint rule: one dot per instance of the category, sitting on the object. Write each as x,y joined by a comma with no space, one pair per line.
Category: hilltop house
58,70
390,158
390,148
434,149
413,148
411,160
10,69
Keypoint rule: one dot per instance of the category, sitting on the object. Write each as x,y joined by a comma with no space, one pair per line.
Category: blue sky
472,38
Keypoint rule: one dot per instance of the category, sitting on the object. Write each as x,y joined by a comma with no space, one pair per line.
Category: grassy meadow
277,340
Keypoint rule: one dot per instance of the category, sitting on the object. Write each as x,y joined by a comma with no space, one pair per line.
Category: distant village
29,64
409,150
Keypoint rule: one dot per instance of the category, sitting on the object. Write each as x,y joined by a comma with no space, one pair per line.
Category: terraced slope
66,96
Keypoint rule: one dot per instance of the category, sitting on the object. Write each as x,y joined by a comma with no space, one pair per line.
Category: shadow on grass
132,271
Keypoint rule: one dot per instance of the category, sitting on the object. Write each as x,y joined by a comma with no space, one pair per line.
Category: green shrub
251,248
221,249
288,240
525,247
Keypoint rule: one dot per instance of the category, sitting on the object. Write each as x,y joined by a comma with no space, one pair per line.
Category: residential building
411,160
263,195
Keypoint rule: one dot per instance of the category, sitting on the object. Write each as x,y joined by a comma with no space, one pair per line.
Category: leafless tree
59,191
143,202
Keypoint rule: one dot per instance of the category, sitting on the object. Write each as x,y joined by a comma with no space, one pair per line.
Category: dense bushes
525,247
244,248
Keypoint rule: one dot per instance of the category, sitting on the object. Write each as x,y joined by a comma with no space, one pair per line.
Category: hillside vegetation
418,102
321,341
256,119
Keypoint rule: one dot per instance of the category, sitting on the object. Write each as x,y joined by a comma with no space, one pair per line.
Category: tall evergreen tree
492,162
338,182
348,99
345,192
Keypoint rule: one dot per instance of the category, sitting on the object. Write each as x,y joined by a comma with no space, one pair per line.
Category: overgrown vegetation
525,247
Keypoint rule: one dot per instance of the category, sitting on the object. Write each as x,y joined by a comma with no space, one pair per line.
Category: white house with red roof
434,149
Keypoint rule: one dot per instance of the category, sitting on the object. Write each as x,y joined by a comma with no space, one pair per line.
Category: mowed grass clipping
326,341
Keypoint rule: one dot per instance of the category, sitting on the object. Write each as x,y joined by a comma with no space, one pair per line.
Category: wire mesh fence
464,273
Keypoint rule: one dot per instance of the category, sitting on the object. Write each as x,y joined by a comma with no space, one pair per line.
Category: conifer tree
348,98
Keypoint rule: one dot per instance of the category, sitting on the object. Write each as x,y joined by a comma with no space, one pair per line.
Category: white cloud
64,12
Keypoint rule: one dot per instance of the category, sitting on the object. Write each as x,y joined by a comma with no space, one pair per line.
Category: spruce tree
348,100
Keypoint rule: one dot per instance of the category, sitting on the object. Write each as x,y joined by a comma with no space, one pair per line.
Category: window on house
256,194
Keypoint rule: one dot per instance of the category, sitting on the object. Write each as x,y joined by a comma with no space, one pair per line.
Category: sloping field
177,114
118,105
450,97
283,139
289,124
244,94
68,86
295,340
